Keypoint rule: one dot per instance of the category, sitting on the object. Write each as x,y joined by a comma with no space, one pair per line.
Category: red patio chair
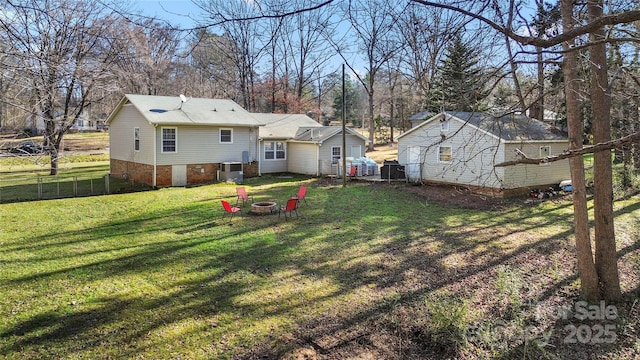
242,195
228,209
302,194
292,205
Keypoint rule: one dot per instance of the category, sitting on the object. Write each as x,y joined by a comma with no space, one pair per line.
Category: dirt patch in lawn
460,197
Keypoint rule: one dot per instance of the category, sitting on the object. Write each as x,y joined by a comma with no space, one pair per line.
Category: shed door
413,163
179,175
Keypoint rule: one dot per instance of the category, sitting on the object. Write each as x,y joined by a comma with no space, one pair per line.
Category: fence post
75,186
39,184
106,184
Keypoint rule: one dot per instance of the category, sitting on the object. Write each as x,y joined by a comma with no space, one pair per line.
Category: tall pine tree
458,85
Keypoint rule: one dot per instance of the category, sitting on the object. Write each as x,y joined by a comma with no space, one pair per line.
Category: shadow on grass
330,281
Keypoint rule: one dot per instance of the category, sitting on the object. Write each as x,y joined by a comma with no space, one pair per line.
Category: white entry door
413,163
179,175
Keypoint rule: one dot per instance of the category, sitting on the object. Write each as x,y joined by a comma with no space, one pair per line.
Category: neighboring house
317,150
279,129
463,147
83,123
173,141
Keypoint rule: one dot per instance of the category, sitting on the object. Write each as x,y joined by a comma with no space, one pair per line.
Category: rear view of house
174,141
463,148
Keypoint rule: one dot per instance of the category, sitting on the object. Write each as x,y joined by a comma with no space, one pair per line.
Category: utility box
392,170
231,171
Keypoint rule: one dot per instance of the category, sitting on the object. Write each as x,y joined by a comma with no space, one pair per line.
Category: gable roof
283,126
320,134
423,115
510,127
171,110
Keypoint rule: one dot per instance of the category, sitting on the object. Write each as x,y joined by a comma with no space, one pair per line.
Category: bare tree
309,52
146,56
210,71
425,32
238,22
605,276
62,49
374,25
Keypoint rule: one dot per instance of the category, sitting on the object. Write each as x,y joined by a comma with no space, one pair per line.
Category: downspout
318,159
258,153
155,154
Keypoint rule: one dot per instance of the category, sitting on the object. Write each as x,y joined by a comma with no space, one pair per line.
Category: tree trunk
586,266
605,239
540,100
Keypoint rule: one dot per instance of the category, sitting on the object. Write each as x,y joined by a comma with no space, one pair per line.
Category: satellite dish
183,98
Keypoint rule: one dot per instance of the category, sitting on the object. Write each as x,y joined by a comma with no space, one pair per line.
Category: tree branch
571,153
621,18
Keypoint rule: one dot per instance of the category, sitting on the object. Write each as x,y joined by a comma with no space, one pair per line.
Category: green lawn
366,271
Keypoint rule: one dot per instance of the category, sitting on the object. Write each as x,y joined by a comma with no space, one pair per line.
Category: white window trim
438,155
275,150
548,147
333,160
162,140
220,136
136,139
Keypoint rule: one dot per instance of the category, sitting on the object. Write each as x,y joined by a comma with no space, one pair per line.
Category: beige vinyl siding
325,151
533,175
121,138
274,165
473,154
302,158
201,144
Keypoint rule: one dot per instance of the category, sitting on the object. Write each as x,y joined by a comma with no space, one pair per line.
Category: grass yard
367,271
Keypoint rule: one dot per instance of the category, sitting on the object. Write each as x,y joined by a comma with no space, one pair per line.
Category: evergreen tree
352,99
458,85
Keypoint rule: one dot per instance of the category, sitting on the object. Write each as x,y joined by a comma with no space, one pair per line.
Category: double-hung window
444,154
226,136
136,139
274,150
169,139
336,154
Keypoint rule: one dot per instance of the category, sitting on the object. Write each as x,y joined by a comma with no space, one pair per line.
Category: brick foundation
196,173
202,173
250,170
142,173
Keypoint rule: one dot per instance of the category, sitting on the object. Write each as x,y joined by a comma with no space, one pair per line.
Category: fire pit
263,208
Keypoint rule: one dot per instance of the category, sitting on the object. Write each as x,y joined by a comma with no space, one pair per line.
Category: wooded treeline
66,59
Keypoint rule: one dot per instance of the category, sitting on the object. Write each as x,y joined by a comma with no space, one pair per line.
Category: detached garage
463,147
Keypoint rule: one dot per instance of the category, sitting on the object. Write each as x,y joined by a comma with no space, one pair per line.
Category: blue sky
177,12
180,13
